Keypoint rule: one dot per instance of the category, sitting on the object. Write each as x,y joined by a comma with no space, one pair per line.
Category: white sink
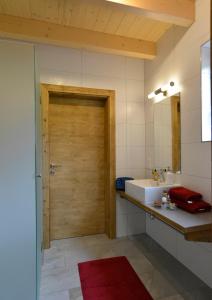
146,190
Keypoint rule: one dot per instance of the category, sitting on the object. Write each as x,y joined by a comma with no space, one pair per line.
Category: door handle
52,168
38,176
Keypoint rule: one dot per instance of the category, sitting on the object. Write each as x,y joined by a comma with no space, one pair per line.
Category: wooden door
76,151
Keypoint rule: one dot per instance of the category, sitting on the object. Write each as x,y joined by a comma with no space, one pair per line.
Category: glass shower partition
38,168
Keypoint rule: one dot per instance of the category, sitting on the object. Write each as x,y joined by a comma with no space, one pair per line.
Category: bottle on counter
170,205
169,176
164,197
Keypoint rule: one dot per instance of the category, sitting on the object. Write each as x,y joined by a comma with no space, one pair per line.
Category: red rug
111,279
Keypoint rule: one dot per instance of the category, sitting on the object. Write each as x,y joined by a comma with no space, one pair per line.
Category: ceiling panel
18,8
114,21
101,16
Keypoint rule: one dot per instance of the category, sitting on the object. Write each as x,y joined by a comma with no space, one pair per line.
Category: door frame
110,204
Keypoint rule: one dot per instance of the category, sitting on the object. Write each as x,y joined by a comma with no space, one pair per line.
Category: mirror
167,133
206,91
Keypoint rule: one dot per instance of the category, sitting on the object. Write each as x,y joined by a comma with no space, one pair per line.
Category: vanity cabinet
170,228
197,257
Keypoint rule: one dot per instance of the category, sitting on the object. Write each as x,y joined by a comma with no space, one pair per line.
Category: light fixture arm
163,90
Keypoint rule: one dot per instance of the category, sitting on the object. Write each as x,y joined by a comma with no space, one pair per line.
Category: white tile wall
105,82
121,158
52,76
121,137
176,60
121,112
133,88
121,206
196,159
149,134
130,218
124,75
135,113
136,173
59,59
191,126
179,59
103,64
135,135
136,157
191,94
121,224
133,69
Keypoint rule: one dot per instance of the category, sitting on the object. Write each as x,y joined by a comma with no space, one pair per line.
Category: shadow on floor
189,286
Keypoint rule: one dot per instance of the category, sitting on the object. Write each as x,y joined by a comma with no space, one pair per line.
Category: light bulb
151,95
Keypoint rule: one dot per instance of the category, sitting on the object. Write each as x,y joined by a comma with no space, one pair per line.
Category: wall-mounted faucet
155,175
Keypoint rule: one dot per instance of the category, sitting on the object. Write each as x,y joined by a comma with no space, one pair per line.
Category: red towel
183,194
193,207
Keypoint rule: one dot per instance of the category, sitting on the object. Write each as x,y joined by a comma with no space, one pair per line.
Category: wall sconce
163,91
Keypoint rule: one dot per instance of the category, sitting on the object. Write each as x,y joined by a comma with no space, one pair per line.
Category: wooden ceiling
99,16
124,23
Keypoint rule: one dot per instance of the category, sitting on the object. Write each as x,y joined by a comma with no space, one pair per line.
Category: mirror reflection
206,91
167,137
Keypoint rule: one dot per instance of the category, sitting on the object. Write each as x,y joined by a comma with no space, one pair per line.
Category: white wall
124,75
179,60
17,172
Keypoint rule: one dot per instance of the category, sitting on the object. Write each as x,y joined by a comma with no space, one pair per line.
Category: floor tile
159,287
57,296
75,294
174,297
164,277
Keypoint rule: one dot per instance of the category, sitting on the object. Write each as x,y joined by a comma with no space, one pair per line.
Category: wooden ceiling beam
44,32
178,12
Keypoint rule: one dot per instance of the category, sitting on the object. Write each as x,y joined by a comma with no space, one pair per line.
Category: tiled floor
164,277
